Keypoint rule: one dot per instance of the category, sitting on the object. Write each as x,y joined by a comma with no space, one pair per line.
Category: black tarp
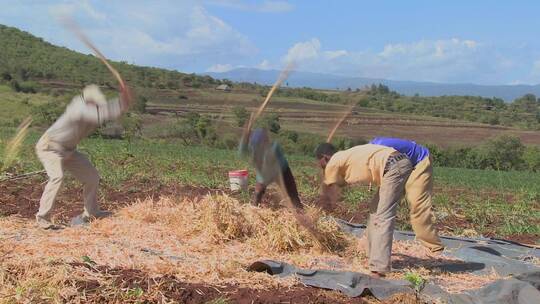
478,256
519,289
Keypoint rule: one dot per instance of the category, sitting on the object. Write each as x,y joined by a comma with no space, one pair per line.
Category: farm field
146,178
486,202
299,114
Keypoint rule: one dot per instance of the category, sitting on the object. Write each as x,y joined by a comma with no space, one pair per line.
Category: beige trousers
383,212
55,161
418,191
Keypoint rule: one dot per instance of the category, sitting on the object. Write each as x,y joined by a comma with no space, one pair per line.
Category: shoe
80,220
84,220
102,214
46,224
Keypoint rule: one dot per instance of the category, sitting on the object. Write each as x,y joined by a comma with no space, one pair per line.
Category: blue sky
484,42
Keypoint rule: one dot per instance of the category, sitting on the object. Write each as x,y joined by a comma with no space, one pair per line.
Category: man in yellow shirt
418,190
365,164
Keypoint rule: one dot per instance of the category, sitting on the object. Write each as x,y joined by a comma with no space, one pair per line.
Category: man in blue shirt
271,166
418,189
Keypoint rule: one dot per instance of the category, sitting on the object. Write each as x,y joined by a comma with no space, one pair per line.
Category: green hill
25,57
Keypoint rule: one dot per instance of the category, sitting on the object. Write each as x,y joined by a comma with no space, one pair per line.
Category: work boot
84,219
80,220
102,214
46,224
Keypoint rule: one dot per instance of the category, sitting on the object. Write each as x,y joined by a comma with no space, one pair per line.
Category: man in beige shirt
57,150
365,164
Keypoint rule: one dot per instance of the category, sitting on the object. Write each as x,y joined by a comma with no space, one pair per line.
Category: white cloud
303,51
335,54
443,60
267,6
264,65
426,48
220,68
70,8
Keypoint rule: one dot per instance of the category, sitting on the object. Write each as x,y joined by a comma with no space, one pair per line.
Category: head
93,95
323,153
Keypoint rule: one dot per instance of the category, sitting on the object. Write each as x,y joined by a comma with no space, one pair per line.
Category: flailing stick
300,215
282,76
340,121
74,27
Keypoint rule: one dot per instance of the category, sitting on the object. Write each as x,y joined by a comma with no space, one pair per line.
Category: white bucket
238,180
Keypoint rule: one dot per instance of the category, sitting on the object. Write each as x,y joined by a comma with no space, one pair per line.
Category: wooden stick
340,121
282,76
74,27
21,176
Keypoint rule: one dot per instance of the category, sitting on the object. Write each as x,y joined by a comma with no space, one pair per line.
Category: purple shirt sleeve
415,152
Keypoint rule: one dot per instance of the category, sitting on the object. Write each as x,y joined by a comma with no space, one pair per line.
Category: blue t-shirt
272,162
415,152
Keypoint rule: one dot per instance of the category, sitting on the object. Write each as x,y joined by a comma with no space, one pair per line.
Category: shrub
132,125
241,115
270,122
193,118
502,153
140,104
531,158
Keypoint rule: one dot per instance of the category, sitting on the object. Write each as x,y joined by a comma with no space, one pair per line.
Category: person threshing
57,150
364,164
418,189
270,163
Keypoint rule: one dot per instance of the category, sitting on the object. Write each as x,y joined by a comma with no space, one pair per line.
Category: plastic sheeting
352,284
520,289
479,256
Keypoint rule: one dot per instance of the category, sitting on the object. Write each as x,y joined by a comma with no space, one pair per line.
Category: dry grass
210,241
13,145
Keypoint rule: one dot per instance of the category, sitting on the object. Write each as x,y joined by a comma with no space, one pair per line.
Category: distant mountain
329,81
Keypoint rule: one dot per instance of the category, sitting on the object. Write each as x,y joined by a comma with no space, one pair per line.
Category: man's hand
329,196
260,189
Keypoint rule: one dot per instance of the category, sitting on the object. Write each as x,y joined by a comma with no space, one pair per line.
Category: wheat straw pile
209,240
206,240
